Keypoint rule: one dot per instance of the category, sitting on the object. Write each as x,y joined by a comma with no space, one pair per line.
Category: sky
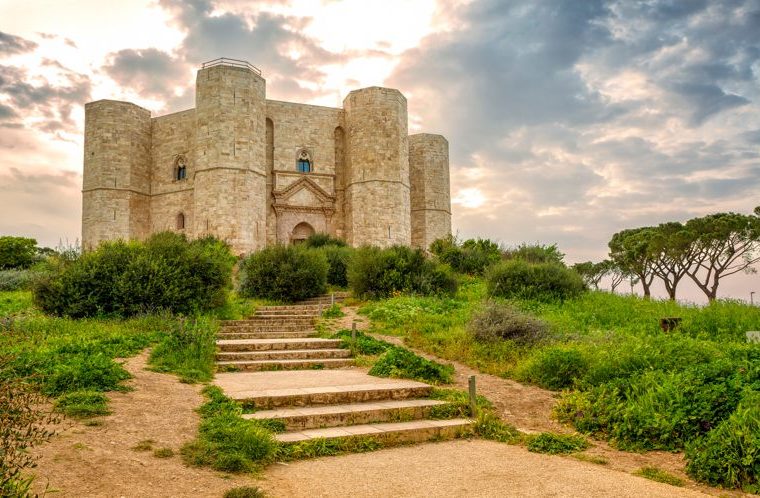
567,120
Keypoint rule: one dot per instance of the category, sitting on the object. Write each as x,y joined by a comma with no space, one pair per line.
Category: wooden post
320,309
353,331
332,299
473,399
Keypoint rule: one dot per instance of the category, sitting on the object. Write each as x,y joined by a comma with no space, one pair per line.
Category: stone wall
377,199
116,178
430,189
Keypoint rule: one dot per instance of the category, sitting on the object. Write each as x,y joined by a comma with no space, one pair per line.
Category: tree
592,273
630,251
672,252
724,244
535,253
616,275
17,252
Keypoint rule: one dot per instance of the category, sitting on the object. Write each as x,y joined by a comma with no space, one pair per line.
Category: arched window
301,232
303,163
180,170
181,221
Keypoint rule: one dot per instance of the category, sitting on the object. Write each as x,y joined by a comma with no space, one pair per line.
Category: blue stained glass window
304,166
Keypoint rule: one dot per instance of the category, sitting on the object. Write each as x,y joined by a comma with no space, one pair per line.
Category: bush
501,321
166,272
323,240
376,273
17,252
82,404
284,273
472,257
402,363
188,350
96,372
338,259
535,254
540,281
14,280
729,455
555,367
557,444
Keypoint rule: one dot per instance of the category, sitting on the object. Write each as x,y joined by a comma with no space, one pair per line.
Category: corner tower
230,157
431,198
116,174
377,186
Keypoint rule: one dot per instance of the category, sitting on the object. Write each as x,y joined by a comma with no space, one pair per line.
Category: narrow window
181,221
303,163
180,170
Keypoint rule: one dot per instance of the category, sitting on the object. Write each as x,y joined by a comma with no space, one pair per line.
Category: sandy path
99,461
457,469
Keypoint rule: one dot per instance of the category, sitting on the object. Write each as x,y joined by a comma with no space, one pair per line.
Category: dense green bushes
471,257
376,272
502,321
402,363
17,252
541,281
338,260
166,272
284,273
729,456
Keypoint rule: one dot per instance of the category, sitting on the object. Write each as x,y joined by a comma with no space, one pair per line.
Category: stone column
431,198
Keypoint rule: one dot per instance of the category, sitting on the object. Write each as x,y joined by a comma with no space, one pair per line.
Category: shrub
540,281
501,321
322,240
338,259
729,455
557,444
555,367
96,372
164,273
188,349
535,253
333,311
14,280
244,492
23,425
284,273
472,256
375,272
402,363
82,404
17,252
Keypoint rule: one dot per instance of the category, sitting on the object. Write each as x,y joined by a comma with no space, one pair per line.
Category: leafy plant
555,367
284,273
338,259
244,492
402,363
82,404
333,311
17,252
539,281
557,444
501,321
471,257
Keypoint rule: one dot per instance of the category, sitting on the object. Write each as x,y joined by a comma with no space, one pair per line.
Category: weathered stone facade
255,172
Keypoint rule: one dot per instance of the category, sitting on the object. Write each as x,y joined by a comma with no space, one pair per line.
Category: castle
255,172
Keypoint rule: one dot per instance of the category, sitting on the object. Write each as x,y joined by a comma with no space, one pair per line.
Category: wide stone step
312,312
331,395
311,417
291,307
389,433
266,321
263,327
264,334
291,354
267,344
265,365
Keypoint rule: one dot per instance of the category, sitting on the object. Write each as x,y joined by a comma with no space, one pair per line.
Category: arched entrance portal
301,232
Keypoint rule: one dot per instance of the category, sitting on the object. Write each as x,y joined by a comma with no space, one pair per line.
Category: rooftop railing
224,61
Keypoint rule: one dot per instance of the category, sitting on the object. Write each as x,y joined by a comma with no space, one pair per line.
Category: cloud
11,44
149,72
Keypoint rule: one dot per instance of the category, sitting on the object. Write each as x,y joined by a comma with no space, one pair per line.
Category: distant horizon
567,121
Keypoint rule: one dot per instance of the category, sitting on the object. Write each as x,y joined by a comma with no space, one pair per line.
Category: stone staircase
286,374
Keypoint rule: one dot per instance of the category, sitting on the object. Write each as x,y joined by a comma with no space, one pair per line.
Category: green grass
557,444
163,453
244,492
659,475
82,404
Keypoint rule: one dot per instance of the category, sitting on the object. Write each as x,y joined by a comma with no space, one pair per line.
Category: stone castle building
255,172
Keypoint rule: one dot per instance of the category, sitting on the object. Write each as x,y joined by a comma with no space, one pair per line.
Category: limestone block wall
230,157
377,178
430,188
116,179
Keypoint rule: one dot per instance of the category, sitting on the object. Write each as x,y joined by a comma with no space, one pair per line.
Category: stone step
289,307
294,317
253,321
285,334
262,327
276,344
389,433
288,312
289,354
312,417
266,365
331,395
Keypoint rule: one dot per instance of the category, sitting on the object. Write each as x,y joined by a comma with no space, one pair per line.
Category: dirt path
99,461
